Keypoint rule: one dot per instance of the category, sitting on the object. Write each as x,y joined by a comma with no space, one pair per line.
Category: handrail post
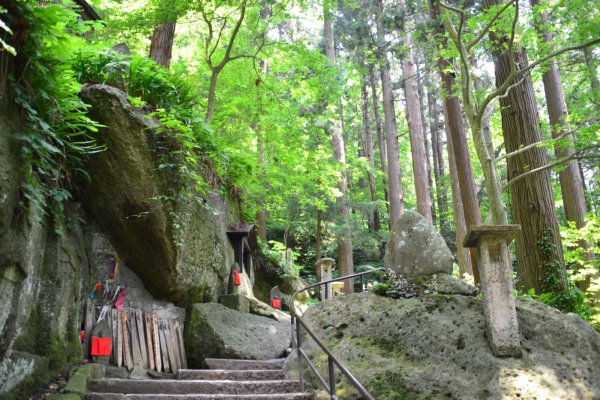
332,361
299,355
331,377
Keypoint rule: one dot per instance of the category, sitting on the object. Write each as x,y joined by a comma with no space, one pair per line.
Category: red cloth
276,303
236,276
100,346
120,299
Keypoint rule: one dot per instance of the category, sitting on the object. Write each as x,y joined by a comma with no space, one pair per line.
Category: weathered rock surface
257,307
444,284
415,248
433,347
215,331
178,247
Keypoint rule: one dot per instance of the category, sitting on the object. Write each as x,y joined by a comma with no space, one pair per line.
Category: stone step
224,363
120,396
171,386
234,375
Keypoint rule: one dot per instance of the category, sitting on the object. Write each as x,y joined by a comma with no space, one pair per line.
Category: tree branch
578,155
489,25
532,145
515,74
236,29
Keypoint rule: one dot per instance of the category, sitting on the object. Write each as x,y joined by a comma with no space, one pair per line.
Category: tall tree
381,140
456,129
415,124
540,262
395,193
368,152
421,81
570,180
465,261
345,259
161,44
261,214
212,42
439,166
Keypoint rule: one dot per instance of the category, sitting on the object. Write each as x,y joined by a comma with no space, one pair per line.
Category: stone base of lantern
502,327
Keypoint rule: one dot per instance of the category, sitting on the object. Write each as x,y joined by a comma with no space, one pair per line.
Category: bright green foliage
58,136
584,262
275,252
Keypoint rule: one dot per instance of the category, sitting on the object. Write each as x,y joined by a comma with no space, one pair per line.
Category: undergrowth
57,136
172,99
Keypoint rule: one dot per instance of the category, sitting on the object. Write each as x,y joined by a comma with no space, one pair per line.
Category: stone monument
325,265
502,327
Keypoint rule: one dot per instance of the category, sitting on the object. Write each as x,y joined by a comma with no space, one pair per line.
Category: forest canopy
327,119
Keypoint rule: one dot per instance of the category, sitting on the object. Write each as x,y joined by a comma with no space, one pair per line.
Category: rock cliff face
178,249
433,347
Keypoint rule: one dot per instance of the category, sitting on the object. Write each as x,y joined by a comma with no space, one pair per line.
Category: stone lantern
325,266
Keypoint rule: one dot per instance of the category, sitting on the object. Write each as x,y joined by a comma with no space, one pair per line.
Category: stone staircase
224,380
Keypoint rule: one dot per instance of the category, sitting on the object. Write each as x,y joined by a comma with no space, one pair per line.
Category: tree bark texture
456,135
465,261
161,44
587,54
415,125
380,134
421,83
438,164
571,185
539,250
395,193
345,260
456,129
368,150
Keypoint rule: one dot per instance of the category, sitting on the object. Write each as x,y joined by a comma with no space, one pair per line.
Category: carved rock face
415,248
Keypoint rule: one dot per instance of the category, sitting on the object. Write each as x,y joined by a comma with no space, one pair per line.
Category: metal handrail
332,361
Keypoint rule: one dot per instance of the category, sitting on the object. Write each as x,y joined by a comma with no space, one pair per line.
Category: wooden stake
119,338
126,345
114,344
156,343
90,314
138,361
140,330
179,333
163,346
171,351
149,340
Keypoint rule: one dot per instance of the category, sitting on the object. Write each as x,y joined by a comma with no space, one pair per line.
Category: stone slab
476,233
236,302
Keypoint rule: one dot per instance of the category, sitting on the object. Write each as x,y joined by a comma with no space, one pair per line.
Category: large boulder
177,246
415,248
215,331
433,347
